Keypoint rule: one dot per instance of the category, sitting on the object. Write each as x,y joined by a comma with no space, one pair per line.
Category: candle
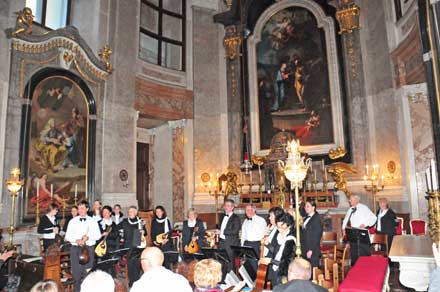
325,173
365,178
51,191
38,190
434,175
382,179
366,166
314,174
76,191
322,165
428,180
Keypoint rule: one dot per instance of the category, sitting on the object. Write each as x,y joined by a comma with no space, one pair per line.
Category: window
162,33
53,14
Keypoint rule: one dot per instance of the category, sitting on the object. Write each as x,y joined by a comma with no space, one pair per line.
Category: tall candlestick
38,190
428,180
51,191
434,175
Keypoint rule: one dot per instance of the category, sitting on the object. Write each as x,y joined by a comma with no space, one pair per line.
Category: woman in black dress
193,227
110,234
133,229
386,221
311,234
281,251
49,226
161,225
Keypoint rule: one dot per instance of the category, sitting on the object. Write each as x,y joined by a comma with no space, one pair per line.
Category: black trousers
79,271
227,266
358,250
47,243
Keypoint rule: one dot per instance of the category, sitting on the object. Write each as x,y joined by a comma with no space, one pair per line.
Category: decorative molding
177,124
323,21
209,4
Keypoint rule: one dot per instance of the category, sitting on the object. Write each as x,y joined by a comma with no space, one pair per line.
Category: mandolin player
109,235
82,231
193,231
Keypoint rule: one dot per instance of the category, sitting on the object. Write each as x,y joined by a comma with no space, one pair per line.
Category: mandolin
262,268
193,246
101,248
160,238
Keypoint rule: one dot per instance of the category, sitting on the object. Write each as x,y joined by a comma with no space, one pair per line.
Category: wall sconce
348,16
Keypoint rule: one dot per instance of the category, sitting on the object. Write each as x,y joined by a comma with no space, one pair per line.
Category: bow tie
249,219
307,217
82,219
226,215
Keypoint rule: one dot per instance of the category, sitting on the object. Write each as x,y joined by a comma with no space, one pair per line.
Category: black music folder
358,235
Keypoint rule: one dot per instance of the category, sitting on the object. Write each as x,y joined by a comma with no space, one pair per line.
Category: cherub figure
24,22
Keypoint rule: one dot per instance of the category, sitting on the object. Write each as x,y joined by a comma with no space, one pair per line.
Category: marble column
178,165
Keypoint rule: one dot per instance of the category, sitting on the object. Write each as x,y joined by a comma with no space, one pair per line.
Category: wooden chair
331,275
400,230
340,257
328,241
418,226
316,272
40,245
56,269
147,216
379,239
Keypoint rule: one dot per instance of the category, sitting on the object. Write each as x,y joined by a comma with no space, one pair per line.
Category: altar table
414,254
369,274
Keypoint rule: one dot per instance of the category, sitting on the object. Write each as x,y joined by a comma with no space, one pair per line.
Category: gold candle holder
433,198
14,185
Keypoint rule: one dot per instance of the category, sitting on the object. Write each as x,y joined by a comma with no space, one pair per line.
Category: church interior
136,131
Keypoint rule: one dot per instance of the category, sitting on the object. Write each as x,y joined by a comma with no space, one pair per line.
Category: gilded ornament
24,22
105,55
338,170
348,17
67,57
232,46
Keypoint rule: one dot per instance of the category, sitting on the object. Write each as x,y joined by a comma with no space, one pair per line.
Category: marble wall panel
178,175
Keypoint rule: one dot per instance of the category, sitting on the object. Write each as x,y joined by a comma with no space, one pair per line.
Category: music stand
358,235
216,253
244,252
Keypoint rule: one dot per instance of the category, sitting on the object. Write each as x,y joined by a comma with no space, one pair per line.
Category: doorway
143,176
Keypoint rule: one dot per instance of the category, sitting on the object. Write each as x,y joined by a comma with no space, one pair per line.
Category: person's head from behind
98,281
207,273
83,208
45,286
299,269
152,257
52,210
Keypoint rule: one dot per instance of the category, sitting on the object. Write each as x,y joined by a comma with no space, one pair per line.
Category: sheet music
29,260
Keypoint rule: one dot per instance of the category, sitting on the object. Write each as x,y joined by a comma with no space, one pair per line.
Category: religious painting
293,84
57,146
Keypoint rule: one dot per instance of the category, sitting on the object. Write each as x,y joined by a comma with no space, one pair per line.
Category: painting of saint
293,80
57,158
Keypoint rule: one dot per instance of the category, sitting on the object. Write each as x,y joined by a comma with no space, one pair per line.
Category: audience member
298,275
208,275
98,281
45,286
156,277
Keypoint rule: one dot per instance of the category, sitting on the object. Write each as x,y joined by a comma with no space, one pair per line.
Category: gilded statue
24,22
231,187
338,171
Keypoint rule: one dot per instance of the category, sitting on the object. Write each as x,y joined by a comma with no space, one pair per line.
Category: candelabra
206,179
433,201
374,183
14,185
295,169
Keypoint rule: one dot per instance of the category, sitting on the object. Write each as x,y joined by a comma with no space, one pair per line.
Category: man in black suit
228,233
298,276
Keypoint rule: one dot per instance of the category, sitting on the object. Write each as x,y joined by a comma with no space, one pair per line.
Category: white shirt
117,218
77,228
223,226
379,217
272,232
362,215
253,230
161,279
308,219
